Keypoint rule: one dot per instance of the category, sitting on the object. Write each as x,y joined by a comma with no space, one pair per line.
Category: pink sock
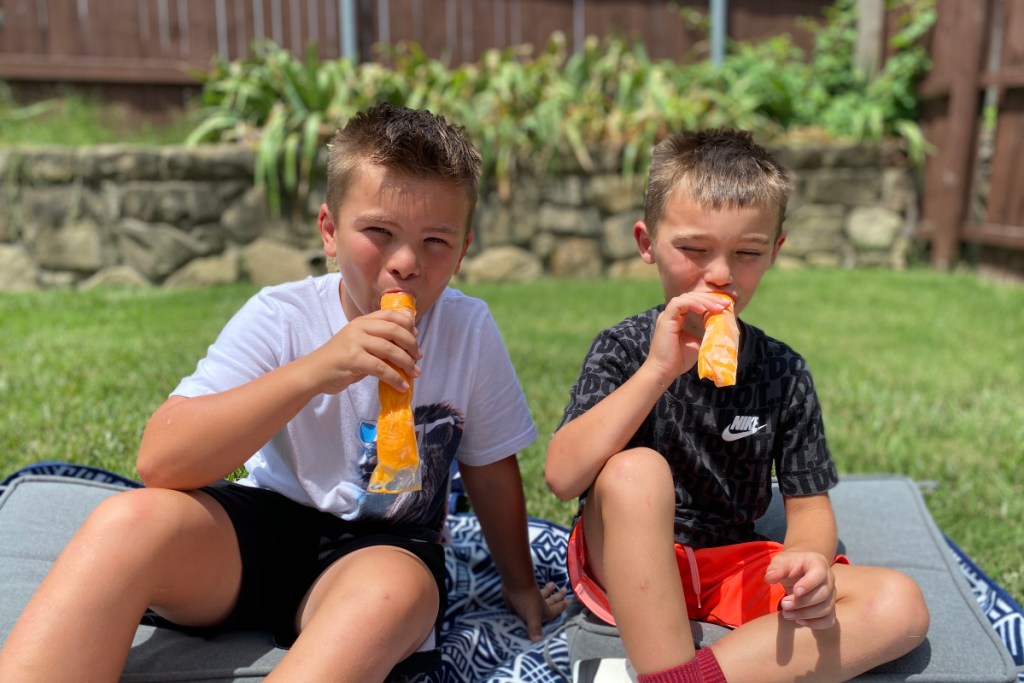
701,669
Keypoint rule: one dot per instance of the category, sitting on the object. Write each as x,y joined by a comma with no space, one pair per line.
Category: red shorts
723,585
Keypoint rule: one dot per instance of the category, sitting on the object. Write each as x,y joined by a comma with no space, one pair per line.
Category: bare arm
191,442
804,568
496,492
811,525
580,448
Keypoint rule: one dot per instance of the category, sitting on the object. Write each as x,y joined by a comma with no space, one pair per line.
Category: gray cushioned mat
38,515
882,520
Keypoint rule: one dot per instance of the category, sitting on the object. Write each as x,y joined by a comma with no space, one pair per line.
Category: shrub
525,110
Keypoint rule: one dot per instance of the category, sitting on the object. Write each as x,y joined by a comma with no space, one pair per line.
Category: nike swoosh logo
729,435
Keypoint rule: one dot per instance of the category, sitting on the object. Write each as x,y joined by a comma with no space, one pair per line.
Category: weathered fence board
160,41
953,98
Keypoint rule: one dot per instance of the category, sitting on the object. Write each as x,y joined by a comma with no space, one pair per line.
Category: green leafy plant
845,102
528,112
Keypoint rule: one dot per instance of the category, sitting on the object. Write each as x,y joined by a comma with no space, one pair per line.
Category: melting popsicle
398,458
717,359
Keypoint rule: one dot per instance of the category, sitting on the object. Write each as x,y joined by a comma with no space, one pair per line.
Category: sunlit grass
75,119
919,373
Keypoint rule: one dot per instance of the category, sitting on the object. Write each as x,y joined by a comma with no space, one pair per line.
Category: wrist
653,377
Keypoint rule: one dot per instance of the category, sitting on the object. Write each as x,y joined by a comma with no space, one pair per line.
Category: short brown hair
411,141
718,168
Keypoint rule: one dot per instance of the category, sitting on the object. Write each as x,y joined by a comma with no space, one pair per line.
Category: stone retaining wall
185,217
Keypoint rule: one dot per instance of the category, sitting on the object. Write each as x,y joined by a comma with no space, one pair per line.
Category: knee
638,474
404,589
911,603
899,607
126,517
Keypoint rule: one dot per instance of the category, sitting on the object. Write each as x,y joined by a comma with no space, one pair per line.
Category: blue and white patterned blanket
480,639
1006,616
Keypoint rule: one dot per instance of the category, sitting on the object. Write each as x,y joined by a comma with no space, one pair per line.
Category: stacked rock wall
177,216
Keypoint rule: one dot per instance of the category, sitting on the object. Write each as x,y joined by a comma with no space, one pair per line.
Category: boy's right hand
371,345
678,333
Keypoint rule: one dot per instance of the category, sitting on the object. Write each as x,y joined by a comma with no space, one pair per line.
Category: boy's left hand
810,587
536,607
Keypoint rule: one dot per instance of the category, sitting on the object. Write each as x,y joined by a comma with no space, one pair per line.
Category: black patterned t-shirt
723,444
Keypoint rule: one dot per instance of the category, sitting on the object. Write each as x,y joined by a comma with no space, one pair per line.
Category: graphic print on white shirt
439,429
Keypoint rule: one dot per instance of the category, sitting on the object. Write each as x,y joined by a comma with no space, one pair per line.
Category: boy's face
395,232
706,250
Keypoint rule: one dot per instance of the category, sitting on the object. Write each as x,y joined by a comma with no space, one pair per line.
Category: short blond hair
415,142
717,168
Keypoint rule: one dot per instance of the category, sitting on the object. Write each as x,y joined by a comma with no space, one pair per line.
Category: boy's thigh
214,569
180,544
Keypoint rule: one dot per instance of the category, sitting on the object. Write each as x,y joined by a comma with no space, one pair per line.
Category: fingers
818,613
679,330
798,572
555,603
555,600
381,344
536,612
692,307
810,588
398,328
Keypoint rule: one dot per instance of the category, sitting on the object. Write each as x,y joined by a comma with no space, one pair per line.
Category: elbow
153,476
558,482
148,470
558,487
154,466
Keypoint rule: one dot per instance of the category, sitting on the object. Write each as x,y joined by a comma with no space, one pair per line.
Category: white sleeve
249,346
498,420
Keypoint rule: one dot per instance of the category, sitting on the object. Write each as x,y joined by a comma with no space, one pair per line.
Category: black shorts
286,546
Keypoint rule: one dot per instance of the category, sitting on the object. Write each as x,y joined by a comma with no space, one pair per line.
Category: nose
403,262
718,272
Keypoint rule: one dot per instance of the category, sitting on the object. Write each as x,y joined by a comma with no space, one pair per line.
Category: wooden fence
163,41
973,203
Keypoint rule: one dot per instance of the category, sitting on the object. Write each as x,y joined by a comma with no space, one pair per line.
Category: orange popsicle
398,458
717,359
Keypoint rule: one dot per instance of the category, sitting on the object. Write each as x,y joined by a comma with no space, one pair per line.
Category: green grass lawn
74,119
920,373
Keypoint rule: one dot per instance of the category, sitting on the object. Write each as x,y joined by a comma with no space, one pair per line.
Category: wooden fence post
965,26
870,37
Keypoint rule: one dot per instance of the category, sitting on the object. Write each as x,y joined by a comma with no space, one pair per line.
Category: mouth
393,291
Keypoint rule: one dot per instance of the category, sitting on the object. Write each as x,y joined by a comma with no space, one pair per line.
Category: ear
328,231
465,248
778,245
644,241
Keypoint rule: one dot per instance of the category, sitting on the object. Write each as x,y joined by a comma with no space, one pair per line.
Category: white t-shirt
467,402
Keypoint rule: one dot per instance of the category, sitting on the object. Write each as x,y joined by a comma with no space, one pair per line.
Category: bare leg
173,550
628,525
880,615
367,612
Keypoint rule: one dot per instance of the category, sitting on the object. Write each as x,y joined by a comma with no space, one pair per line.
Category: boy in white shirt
351,581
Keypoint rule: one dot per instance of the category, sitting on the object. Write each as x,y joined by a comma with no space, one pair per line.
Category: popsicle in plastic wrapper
398,458
719,348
